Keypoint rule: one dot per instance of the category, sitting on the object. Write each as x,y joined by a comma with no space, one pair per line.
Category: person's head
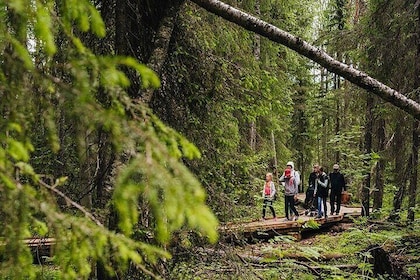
336,167
320,170
315,168
291,165
269,177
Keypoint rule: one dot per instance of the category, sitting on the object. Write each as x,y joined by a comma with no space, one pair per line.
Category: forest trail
280,225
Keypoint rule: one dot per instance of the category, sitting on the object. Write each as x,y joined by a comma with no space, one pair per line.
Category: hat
336,166
291,164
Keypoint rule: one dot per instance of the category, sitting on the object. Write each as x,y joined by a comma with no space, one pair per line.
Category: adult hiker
321,192
338,186
291,179
311,187
269,192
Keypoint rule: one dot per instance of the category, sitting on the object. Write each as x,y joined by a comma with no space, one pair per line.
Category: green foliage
219,86
47,88
312,224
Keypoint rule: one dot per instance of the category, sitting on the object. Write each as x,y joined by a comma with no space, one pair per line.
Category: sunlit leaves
17,150
175,196
85,15
43,29
23,53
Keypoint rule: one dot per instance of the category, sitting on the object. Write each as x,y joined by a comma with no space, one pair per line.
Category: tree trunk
300,138
380,166
412,192
400,173
337,126
365,193
315,54
161,45
276,172
256,48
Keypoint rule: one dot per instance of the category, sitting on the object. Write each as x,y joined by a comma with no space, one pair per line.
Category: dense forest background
129,128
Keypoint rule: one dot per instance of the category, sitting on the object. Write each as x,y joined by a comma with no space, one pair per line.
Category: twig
247,264
72,202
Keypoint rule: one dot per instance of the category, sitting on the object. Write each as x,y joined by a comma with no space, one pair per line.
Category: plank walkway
271,227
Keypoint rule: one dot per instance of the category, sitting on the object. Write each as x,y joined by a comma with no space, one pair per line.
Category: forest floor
360,249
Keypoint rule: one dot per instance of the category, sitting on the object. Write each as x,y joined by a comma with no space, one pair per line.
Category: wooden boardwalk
271,227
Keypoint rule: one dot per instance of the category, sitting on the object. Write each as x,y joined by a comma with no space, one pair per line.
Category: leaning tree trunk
297,44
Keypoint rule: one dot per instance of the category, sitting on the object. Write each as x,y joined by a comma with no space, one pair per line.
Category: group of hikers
319,184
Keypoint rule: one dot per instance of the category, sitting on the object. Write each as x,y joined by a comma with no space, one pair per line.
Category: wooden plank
284,226
37,242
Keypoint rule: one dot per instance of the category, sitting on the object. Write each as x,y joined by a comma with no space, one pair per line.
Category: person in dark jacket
338,185
311,187
321,192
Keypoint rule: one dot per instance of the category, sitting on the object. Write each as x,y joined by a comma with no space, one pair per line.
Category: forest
133,130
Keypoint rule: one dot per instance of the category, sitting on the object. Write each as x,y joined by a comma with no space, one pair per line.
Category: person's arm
281,179
323,184
343,181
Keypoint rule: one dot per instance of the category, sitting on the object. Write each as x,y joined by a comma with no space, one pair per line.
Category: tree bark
365,193
380,166
412,191
256,49
161,45
297,44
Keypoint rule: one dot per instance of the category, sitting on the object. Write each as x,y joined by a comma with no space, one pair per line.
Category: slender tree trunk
380,166
412,192
365,193
399,173
315,54
276,172
257,55
337,126
337,112
252,136
300,138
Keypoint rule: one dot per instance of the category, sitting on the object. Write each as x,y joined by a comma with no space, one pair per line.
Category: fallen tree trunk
315,54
